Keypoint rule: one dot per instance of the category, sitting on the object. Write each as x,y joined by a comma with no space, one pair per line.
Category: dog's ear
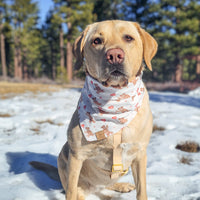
78,48
149,46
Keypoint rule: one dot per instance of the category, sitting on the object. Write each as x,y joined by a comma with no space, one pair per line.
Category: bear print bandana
106,110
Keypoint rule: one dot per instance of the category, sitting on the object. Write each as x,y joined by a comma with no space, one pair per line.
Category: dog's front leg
139,173
74,166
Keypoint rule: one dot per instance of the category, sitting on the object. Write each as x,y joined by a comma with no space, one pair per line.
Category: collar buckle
118,168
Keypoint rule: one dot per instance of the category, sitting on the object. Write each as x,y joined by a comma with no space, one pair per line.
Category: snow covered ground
36,130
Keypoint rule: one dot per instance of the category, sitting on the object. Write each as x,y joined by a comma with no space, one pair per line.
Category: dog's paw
122,187
81,195
81,198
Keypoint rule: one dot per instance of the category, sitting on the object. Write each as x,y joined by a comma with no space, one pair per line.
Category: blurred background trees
31,50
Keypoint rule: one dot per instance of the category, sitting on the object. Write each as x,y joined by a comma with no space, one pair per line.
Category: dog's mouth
117,73
117,79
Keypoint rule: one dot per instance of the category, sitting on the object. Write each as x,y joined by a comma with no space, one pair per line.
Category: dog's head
113,51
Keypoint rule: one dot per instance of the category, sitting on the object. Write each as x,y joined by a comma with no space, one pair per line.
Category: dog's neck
108,109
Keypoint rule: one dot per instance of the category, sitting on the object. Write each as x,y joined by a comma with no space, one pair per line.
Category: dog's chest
103,154
129,153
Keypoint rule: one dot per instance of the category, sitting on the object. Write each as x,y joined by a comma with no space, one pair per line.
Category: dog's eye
128,38
97,41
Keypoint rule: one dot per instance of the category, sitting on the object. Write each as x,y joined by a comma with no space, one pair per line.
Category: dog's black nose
115,56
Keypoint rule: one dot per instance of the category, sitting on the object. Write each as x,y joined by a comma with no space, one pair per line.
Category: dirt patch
36,130
5,115
185,160
50,122
188,146
158,128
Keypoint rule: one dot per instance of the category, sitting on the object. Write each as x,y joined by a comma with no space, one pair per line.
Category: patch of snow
36,130
195,93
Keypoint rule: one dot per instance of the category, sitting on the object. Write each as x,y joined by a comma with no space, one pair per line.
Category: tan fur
84,165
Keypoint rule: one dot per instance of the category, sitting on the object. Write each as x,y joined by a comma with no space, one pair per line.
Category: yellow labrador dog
101,145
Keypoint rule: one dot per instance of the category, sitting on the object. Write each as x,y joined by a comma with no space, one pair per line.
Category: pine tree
25,14
50,50
3,9
108,10
177,30
57,19
31,44
76,14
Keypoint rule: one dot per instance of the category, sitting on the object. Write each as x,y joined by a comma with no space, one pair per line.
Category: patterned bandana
106,110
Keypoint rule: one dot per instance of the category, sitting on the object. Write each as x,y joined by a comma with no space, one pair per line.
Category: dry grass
8,89
5,115
188,146
185,160
158,128
50,122
36,130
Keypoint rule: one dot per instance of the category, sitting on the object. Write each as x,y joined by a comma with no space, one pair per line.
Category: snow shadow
19,163
175,98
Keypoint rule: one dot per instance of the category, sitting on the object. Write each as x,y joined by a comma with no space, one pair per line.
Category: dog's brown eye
97,41
128,38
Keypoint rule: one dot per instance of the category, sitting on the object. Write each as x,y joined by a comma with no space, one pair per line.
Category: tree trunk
198,65
54,71
53,65
69,54
179,70
17,59
25,68
62,57
178,73
69,61
15,62
20,73
3,56
25,74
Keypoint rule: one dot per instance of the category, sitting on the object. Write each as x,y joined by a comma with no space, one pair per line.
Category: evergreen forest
29,50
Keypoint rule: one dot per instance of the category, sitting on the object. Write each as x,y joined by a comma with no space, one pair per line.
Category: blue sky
44,6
